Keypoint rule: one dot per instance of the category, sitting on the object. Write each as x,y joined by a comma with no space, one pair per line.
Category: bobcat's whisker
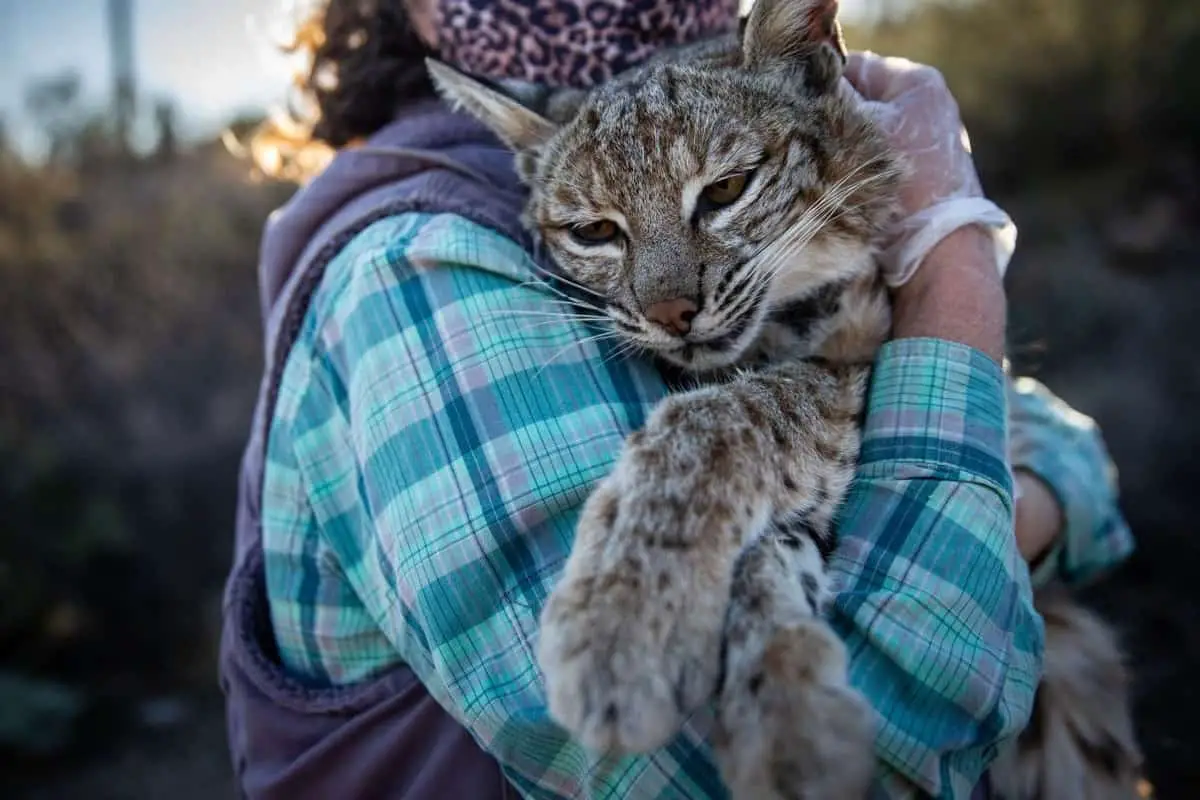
626,348
577,343
570,282
559,276
811,221
536,322
836,185
543,325
778,252
791,248
538,283
517,312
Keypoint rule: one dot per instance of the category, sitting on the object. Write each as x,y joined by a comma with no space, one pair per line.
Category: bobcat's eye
600,232
726,190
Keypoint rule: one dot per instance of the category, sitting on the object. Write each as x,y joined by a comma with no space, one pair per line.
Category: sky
213,57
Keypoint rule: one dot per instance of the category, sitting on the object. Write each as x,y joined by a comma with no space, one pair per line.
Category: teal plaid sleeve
1065,449
441,422
934,600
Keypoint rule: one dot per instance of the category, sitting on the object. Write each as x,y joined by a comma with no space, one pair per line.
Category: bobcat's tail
1080,742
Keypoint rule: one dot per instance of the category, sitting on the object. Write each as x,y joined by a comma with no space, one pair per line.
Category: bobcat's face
694,201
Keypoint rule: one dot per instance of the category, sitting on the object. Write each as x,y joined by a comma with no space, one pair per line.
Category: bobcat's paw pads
792,727
622,672
629,644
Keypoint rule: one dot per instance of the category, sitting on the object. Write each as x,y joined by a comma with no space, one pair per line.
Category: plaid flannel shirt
439,425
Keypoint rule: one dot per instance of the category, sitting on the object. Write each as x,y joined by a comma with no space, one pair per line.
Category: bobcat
722,206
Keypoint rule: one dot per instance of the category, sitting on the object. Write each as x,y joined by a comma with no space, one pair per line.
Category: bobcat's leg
630,640
789,725
1080,742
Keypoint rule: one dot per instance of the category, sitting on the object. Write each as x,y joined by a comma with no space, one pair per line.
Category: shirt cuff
940,405
1094,539
1064,450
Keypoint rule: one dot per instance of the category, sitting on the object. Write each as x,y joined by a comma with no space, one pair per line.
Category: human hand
959,239
958,294
915,110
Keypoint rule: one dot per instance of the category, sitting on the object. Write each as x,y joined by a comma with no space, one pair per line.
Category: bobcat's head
698,197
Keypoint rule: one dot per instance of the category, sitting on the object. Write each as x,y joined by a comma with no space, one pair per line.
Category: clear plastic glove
916,111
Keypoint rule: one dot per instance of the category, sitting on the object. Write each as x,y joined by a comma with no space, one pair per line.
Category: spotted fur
699,562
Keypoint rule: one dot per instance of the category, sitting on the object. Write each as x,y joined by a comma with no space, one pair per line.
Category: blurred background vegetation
130,350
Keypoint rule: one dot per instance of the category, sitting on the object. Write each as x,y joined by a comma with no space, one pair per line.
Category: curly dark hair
364,61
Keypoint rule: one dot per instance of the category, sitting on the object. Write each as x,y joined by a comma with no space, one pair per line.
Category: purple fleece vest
386,738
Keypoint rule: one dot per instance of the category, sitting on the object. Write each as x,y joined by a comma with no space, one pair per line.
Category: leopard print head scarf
577,43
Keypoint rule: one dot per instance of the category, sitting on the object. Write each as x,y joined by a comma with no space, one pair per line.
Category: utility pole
120,35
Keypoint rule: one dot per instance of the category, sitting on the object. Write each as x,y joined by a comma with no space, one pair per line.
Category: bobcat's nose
674,315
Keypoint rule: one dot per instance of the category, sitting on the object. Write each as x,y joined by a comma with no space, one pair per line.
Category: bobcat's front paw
790,727
630,638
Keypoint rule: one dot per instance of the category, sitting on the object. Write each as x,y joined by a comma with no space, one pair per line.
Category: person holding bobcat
420,453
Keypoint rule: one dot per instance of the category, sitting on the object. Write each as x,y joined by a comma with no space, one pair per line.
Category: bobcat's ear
517,126
796,34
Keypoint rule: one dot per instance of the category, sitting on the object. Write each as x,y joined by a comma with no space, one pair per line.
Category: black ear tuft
796,34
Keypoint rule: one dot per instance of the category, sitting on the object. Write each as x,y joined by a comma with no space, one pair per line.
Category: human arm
956,296
934,602
943,262
936,606
1069,522
946,256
